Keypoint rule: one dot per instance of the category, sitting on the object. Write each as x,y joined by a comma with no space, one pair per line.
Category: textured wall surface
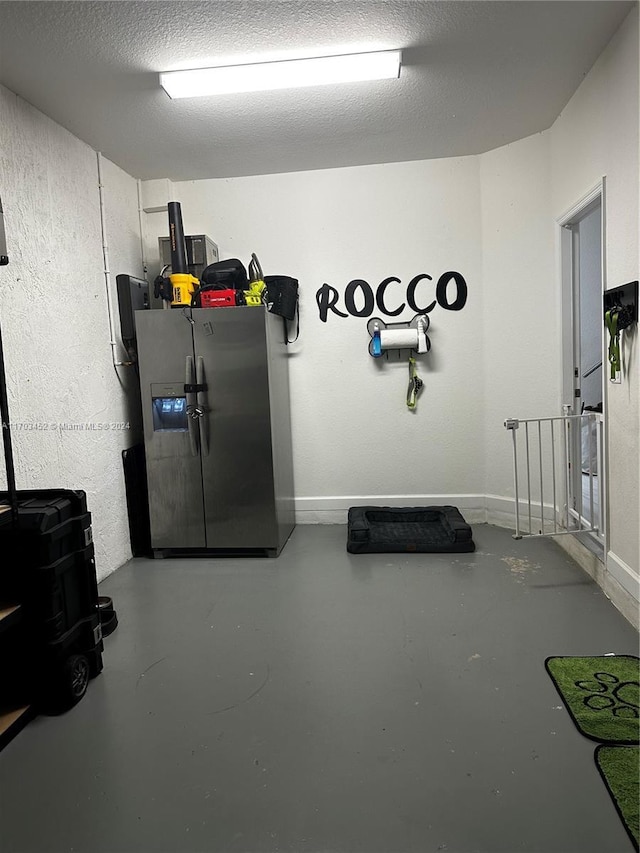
596,135
61,382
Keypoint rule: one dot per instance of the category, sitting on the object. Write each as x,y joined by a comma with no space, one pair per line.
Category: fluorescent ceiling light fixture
288,74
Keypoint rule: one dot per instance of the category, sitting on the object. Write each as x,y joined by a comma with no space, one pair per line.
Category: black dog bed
424,529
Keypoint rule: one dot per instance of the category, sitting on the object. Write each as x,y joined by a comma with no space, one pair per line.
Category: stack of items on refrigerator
221,284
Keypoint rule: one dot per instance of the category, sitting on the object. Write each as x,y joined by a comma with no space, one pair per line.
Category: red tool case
217,298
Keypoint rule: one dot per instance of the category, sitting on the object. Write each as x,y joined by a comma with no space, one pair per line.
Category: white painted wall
597,135
354,438
520,318
54,315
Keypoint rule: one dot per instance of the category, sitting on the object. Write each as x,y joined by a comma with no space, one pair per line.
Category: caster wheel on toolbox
65,685
75,678
105,602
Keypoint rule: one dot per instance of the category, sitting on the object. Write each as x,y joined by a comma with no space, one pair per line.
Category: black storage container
48,566
52,523
58,596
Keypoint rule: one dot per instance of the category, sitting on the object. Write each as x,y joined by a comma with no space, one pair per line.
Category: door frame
568,332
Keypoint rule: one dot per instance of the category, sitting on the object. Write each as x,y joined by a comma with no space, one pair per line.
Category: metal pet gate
557,465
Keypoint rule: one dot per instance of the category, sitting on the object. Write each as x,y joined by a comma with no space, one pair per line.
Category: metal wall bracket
624,296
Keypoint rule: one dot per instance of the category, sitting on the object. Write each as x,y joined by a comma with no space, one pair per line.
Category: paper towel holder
410,336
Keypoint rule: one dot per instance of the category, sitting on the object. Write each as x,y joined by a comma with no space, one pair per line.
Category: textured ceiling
476,75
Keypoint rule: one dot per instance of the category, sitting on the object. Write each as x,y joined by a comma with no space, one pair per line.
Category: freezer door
171,433
235,434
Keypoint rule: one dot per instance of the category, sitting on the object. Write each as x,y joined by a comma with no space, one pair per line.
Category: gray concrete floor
327,703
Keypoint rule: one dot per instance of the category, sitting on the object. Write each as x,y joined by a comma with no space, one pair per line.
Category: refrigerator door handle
201,398
192,416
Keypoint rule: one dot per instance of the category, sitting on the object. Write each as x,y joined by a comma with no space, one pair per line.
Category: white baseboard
477,509
624,598
624,574
500,511
334,509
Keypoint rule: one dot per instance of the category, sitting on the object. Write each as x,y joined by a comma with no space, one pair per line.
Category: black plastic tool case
52,524
422,529
48,567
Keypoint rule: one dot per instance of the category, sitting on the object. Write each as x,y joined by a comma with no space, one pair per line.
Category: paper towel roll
399,338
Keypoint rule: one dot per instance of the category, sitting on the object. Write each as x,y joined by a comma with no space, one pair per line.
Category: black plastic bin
48,566
51,524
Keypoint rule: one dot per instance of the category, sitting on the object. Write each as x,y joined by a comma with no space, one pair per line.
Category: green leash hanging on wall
415,384
611,321
617,319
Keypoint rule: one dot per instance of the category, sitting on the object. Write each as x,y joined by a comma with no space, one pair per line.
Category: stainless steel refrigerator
215,400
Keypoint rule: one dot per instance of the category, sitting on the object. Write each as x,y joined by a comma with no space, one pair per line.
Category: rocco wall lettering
450,294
